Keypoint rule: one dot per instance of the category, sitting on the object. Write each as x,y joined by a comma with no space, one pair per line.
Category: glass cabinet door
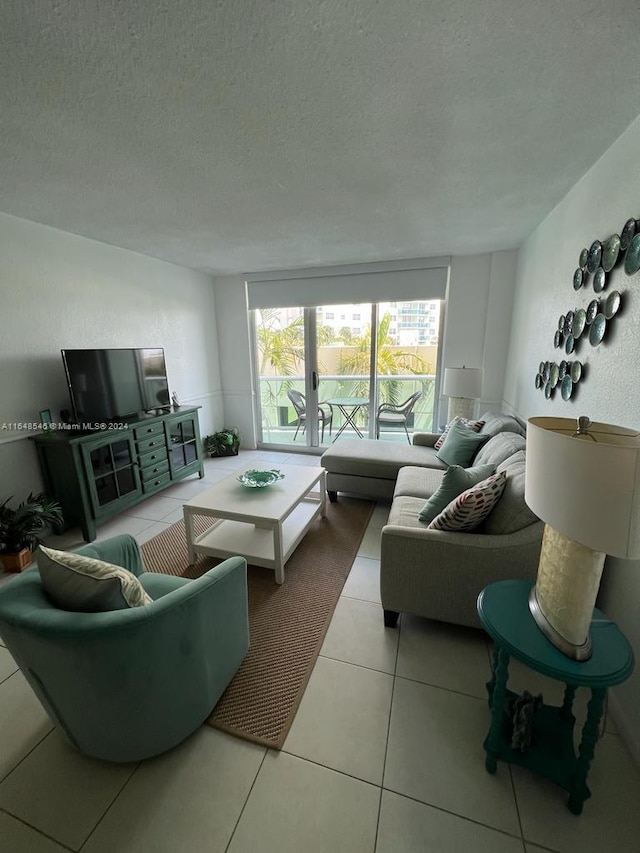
113,471
183,439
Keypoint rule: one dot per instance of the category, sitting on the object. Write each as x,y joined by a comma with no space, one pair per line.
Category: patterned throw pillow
86,585
471,508
476,426
456,480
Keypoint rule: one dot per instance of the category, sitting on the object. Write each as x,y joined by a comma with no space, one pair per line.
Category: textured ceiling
237,135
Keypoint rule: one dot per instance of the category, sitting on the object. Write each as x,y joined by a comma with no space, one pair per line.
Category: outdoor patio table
349,406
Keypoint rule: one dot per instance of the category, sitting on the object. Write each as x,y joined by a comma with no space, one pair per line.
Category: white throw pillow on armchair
86,585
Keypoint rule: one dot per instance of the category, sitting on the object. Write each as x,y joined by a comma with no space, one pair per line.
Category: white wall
61,291
596,207
235,356
479,303
478,315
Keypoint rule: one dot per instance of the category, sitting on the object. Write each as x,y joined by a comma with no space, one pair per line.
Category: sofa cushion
476,426
84,584
470,509
495,422
455,481
511,513
460,445
418,482
404,512
499,448
367,457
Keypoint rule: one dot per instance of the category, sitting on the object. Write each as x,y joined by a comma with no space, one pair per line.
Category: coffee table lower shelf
226,538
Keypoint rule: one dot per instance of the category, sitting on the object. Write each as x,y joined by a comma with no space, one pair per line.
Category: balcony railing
279,418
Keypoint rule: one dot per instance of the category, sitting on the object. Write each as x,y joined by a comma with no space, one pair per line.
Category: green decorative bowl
259,479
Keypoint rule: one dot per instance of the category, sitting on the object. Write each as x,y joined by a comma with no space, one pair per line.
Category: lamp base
460,406
564,596
582,652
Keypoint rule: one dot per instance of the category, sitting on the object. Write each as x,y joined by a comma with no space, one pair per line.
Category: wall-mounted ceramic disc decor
599,280
578,279
579,322
589,324
610,252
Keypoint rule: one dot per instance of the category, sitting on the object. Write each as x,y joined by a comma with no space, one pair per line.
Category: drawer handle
157,483
155,470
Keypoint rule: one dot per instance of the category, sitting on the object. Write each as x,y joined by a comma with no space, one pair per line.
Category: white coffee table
263,525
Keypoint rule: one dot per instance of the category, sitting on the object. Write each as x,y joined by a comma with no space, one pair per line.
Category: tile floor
385,753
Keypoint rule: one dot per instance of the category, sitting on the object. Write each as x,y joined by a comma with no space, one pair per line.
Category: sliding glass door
407,362
343,356
322,372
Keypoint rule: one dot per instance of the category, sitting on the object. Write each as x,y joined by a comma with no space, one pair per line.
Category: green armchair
128,684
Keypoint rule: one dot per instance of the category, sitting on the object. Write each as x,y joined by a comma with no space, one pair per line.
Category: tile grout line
244,805
440,687
359,665
386,745
35,829
7,677
515,800
366,600
27,754
327,767
111,804
457,814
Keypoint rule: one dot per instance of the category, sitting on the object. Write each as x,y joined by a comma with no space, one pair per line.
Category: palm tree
282,349
390,362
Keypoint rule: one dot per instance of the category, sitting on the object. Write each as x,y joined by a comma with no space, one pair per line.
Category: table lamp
583,481
462,385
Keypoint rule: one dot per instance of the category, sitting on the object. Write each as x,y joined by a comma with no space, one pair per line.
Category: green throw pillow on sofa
456,480
460,445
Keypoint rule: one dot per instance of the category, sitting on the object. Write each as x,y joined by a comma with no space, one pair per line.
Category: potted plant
19,528
225,442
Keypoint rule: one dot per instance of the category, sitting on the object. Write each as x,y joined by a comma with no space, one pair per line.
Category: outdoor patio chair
299,404
396,415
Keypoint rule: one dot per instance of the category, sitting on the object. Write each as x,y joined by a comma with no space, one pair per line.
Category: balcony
279,418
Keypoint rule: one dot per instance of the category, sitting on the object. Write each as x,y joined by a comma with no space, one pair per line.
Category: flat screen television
106,385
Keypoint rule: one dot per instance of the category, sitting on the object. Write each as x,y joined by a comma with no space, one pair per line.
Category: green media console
98,474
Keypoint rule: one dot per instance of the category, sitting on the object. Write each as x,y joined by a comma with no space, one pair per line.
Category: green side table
504,611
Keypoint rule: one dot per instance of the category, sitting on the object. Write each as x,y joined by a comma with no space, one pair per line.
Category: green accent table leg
566,712
500,676
492,683
590,734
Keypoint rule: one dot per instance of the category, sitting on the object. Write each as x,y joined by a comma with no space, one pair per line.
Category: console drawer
153,458
152,443
154,471
148,430
156,483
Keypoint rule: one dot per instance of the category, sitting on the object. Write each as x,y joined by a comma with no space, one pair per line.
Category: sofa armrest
439,574
425,439
450,538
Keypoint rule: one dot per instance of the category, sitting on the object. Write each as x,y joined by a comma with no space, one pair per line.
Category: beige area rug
287,623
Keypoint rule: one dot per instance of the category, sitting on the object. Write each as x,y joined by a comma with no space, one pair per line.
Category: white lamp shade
587,490
462,382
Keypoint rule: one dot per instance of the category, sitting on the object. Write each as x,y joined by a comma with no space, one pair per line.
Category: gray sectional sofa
434,573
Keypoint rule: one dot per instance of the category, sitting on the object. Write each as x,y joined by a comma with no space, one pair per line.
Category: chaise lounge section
370,468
